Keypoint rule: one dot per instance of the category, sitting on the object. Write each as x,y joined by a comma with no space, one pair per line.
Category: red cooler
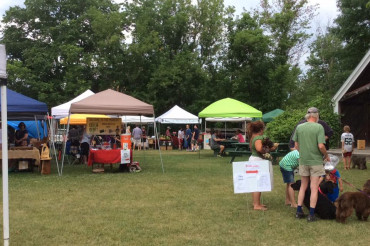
125,141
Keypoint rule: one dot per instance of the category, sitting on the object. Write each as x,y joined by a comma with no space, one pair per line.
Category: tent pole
225,129
52,136
141,126
37,128
65,143
245,129
157,140
4,139
201,126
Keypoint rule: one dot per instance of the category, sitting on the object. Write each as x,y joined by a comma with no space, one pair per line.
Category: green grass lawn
191,203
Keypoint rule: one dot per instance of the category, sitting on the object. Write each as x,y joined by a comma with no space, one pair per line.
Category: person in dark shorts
85,146
287,166
214,145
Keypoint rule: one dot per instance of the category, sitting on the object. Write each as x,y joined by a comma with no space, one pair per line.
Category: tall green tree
335,53
286,22
57,49
352,27
248,60
174,44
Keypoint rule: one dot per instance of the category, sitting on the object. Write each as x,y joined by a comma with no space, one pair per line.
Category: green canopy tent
270,116
230,108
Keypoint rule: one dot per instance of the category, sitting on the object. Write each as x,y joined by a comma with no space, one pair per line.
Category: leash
348,183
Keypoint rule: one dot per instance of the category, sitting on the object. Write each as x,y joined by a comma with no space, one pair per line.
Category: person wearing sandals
255,132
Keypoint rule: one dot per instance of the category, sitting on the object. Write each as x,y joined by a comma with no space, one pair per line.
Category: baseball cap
312,110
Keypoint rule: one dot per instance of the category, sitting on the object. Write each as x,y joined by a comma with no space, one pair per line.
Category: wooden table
19,153
24,153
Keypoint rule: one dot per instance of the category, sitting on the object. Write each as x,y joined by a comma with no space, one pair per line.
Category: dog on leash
325,209
359,201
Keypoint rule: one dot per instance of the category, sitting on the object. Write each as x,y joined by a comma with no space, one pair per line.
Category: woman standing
255,132
85,146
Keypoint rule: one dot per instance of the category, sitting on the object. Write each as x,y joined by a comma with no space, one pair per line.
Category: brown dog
360,201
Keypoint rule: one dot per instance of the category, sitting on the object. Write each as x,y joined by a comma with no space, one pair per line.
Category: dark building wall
355,112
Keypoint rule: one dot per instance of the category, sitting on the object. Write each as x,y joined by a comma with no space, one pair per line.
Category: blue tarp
21,107
31,127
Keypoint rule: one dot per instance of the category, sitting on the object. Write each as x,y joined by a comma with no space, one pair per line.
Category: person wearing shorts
309,140
85,146
214,145
136,137
287,166
348,142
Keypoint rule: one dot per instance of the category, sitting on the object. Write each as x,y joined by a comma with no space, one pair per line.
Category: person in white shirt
180,136
348,142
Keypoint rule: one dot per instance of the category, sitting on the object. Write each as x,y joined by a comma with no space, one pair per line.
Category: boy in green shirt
287,166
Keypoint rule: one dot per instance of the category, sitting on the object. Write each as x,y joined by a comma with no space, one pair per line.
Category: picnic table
228,143
241,149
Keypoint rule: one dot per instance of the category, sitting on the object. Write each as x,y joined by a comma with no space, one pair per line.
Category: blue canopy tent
23,108
36,129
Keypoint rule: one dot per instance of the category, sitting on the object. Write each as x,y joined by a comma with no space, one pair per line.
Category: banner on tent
251,176
103,126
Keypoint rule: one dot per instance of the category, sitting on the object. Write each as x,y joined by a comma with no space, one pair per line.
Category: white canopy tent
59,112
62,110
177,115
136,119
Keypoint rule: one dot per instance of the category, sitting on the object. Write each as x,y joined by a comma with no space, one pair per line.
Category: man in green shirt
309,140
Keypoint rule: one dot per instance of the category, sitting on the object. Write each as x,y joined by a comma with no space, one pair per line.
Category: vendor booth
230,110
23,108
177,115
111,102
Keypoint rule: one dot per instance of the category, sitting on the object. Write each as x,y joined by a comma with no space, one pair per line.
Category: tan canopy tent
110,102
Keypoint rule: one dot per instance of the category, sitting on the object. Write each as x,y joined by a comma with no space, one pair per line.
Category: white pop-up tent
136,119
177,115
62,110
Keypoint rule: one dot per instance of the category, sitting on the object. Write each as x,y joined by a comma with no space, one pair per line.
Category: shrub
281,129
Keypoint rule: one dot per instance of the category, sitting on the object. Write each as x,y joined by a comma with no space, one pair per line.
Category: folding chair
72,153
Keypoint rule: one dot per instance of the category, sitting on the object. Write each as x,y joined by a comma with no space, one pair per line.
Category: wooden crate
361,144
23,164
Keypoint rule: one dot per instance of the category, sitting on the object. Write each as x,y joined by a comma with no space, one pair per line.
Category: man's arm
323,151
296,145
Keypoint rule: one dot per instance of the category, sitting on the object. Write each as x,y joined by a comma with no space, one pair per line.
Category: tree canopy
182,52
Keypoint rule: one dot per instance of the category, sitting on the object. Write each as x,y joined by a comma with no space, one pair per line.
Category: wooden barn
352,101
